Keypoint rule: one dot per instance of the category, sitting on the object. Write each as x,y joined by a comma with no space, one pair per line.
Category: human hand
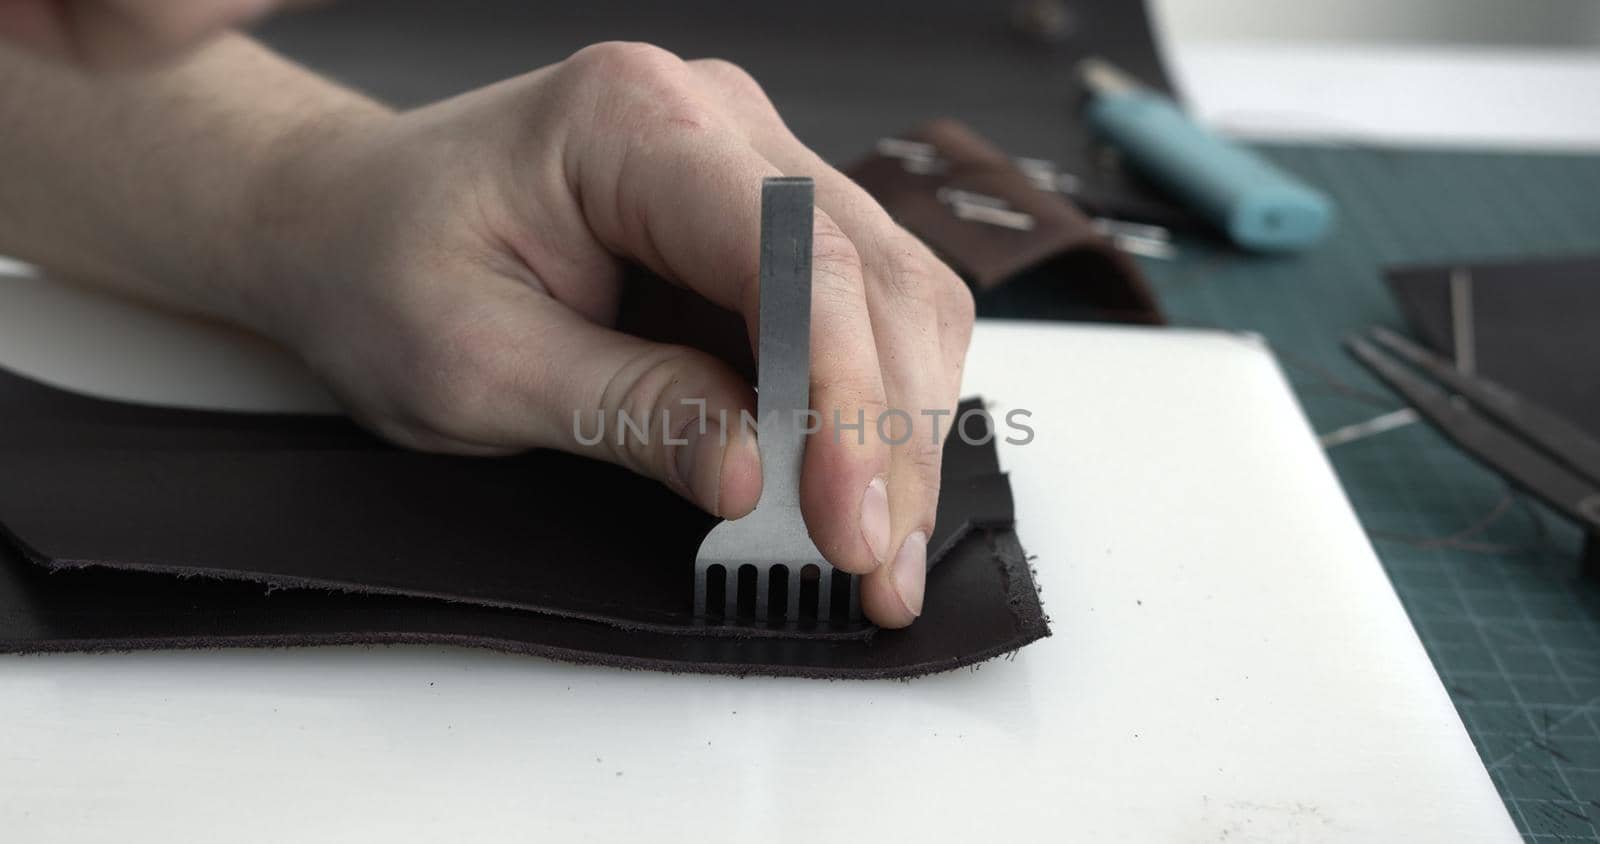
455,274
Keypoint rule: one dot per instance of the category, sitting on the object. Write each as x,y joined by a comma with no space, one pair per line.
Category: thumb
668,412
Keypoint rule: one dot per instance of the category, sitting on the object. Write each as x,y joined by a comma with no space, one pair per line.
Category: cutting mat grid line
1486,576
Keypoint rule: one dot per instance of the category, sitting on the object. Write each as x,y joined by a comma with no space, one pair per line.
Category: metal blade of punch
771,544
783,362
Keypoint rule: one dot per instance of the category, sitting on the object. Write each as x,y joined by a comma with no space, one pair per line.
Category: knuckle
908,276
960,308
851,387
957,319
924,284
626,62
683,114
641,89
638,390
924,457
835,258
730,78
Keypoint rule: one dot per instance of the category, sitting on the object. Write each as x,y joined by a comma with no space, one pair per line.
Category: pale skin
453,273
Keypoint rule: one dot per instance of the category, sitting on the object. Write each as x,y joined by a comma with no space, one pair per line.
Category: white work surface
1229,661
1454,73
1373,94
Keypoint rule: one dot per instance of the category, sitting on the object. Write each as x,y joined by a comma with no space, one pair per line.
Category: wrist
296,227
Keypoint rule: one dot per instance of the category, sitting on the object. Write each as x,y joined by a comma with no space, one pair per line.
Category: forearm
157,184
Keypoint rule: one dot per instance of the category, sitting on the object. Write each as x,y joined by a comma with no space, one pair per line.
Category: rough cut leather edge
1061,244
127,611
100,502
983,502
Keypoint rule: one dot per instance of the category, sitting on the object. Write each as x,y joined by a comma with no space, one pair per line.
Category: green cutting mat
1484,573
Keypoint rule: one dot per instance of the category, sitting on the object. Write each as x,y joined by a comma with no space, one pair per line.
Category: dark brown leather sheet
138,527
1534,326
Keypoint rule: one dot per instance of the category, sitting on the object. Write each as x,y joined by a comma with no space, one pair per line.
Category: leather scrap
128,526
1533,325
1060,249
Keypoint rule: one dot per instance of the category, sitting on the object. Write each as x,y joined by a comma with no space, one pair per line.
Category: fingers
921,315
669,178
844,492
924,314
517,370
667,412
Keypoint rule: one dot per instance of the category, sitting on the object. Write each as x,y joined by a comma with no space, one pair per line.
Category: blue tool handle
1260,207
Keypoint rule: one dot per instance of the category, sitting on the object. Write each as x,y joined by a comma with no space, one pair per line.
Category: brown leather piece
1061,243
137,527
1533,326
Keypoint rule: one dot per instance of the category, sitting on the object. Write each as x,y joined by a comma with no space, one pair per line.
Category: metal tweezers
1532,446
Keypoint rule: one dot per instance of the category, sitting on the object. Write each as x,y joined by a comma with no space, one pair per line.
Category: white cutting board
1229,661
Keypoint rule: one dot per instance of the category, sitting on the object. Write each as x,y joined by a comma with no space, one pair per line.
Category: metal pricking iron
764,569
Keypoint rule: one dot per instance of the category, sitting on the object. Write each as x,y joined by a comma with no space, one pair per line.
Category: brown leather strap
942,199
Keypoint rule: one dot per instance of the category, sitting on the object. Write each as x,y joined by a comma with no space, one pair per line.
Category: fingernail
875,519
910,571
